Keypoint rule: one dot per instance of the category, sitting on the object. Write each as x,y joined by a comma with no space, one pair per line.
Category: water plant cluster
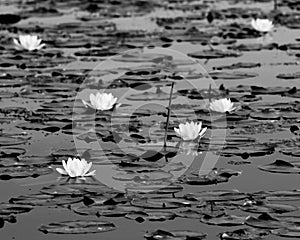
93,91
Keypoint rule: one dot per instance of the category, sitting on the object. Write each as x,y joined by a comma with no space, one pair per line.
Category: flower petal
61,171
92,173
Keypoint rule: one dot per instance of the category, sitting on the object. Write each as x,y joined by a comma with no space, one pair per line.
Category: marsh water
243,174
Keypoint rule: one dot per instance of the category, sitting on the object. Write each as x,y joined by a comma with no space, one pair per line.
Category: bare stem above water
168,116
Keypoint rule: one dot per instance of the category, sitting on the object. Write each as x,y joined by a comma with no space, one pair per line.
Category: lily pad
281,166
232,75
174,235
19,171
151,216
217,196
44,200
290,232
244,234
289,76
261,206
214,53
266,221
224,220
10,208
78,227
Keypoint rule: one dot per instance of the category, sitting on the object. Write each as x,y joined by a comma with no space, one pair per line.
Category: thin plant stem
168,116
209,93
210,46
275,4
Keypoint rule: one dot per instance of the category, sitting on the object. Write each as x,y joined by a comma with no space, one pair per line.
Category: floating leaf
9,208
174,235
161,203
244,234
266,221
44,200
18,171
78,227
290,232
150,216
223,220
231,75
281,166
217,196
288,76
214,53
261,206
99,209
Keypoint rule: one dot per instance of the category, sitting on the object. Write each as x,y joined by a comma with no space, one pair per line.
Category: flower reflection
265,39
189,148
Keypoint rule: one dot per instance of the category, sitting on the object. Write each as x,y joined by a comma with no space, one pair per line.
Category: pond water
244,172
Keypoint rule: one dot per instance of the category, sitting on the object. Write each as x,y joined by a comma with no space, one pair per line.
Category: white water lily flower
76,168
222,105
101,101
190,131
262,25
28,42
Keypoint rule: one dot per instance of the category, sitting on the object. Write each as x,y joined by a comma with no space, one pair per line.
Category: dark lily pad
269,90
232,75
38,126
211,209
151,176
281,166
238,65
199,93
151,216
161,203
140,57
78,227
253,150
213,177
77,189
254,47
40,199
18,171
244,234
9,208
288,76
214,53
295,129
192,214
223,220
289,232
9,18
150,96
11,151
174,235
10,141
261,206
283,195
265,115
157,187
266,221
99,209
217,196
